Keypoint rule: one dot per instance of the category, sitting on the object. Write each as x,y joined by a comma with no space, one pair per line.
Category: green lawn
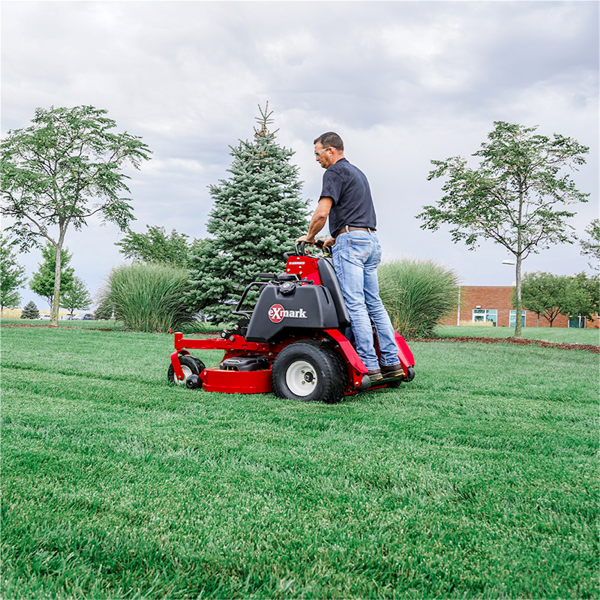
477,479
561,335
197,326
117,325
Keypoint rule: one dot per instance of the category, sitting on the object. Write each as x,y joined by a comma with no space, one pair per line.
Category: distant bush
148,297
104,310
417,294
30,311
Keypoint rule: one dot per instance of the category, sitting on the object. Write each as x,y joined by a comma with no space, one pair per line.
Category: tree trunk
57,269
519,303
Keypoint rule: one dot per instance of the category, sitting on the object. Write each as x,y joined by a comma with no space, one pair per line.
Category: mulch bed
517,341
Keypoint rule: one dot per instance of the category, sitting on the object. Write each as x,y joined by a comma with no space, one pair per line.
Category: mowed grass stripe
129,489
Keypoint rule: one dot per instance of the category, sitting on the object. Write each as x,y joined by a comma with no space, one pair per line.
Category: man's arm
318,220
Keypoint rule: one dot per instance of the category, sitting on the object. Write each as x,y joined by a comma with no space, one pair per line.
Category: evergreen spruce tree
257,216
30,311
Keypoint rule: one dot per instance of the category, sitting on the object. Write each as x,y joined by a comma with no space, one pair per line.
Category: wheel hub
301,378
186,373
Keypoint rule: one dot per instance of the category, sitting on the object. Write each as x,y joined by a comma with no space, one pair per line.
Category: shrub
104,310
417,294
30,311
149,297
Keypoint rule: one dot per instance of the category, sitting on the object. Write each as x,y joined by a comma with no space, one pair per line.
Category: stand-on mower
293,343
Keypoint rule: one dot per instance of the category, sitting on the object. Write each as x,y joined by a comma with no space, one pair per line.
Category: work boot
375,375
392,371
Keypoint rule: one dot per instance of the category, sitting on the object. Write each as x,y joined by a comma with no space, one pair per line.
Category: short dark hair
330,139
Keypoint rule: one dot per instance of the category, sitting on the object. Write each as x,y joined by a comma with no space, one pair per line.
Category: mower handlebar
300,249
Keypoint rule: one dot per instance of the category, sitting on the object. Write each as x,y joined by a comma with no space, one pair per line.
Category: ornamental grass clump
149,297
417,294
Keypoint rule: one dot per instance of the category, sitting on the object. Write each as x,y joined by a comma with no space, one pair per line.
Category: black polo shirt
351,194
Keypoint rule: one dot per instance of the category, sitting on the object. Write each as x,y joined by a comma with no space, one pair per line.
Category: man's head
329,148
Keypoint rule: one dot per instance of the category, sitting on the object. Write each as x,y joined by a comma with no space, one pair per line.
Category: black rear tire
309,371
189,365
341,378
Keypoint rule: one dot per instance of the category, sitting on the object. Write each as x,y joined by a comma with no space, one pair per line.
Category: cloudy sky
402,82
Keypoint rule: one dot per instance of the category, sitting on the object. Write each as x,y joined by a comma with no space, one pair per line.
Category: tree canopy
582,299
43,280
544,294
12,275
62,170
550,295
157,246
591,247
76,296
516,197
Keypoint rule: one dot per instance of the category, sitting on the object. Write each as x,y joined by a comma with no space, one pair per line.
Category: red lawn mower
292,343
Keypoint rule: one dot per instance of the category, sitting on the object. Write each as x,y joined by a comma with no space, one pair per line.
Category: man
346,200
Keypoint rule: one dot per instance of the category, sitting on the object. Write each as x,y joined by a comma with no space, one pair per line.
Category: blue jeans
356,255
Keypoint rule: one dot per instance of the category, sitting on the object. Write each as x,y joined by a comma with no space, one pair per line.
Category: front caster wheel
309,371
193,382
190,365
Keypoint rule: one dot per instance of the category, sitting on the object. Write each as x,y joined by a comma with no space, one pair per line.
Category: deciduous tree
43,280
60,171
12,275
516,197
76,296
591,247
582,297
157,246
544,294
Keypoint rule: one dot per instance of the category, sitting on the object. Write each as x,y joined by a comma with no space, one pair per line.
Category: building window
577,321
481,315
513,319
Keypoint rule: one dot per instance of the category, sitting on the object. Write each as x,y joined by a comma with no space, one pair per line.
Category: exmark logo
277,313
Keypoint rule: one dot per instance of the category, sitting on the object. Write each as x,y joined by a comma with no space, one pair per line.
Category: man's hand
323,243
306,239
